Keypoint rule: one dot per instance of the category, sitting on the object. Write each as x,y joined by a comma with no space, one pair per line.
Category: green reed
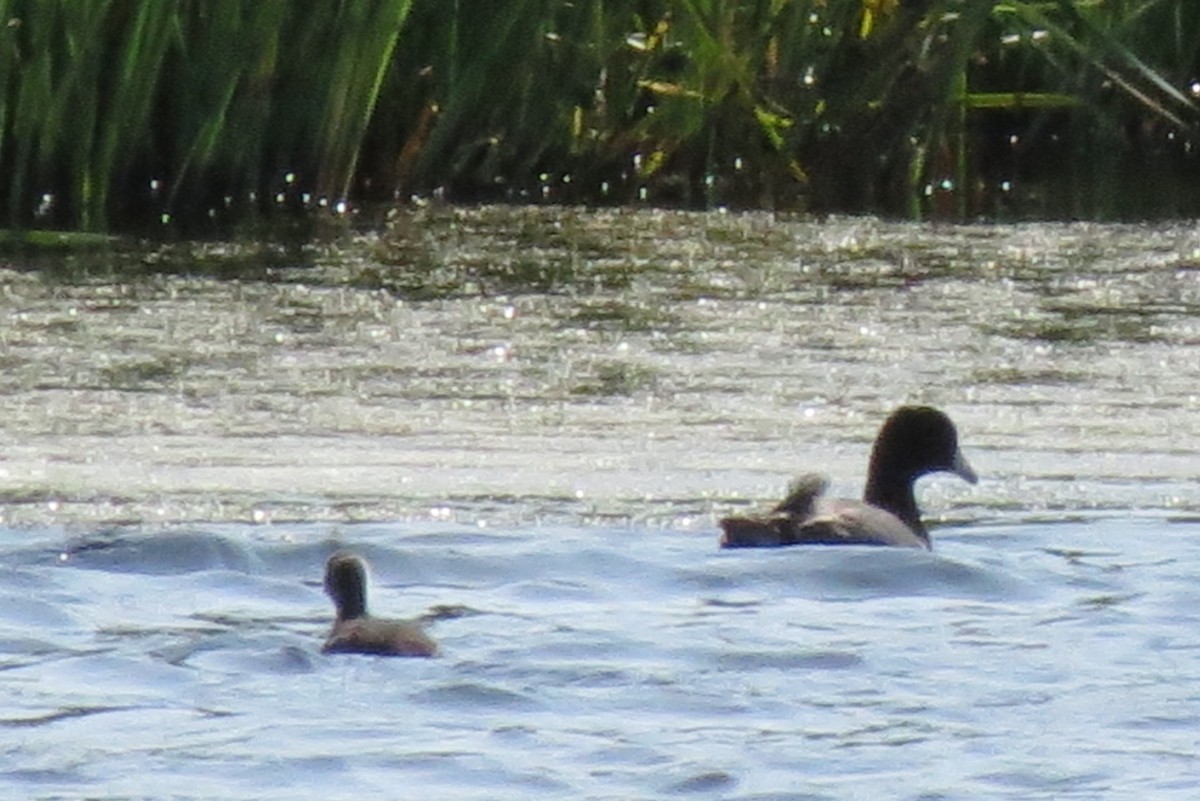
210,97
122,110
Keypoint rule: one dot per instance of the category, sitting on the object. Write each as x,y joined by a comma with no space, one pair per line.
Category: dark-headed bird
357,632
914,441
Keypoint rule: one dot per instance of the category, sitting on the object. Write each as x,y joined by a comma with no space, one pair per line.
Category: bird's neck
352,603
897,499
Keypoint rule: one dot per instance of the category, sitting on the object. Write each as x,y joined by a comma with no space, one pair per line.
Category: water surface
1023,661
529,421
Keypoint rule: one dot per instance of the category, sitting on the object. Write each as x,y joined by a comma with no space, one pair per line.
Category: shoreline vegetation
138,115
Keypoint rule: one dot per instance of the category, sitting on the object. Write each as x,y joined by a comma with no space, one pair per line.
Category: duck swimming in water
357,632
914,441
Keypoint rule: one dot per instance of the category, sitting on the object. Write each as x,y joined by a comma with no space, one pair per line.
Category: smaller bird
355,631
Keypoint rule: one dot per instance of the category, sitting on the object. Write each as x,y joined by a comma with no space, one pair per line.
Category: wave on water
607,660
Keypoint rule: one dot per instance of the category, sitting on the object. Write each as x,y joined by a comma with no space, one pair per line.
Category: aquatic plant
127,108
141,111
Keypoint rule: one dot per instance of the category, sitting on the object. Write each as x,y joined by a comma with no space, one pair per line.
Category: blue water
530,421
1016,661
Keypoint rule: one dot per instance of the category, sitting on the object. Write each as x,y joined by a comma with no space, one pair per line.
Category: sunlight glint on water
534,418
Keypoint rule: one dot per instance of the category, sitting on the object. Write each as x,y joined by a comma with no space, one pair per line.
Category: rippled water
529,421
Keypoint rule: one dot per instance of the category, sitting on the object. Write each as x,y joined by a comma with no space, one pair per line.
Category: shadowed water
529,422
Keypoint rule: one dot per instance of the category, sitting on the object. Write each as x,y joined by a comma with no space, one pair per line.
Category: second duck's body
914,441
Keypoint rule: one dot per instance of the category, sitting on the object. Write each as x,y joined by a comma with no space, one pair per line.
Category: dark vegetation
130,114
